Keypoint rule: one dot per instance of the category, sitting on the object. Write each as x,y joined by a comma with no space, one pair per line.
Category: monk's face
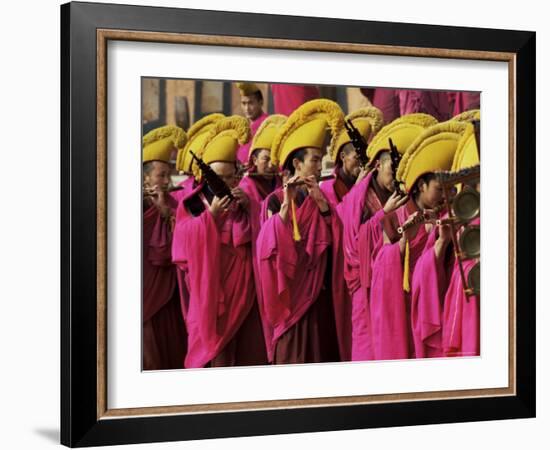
431,193
311,165
350,160
251,106
158,173
385,173
227,172
262,161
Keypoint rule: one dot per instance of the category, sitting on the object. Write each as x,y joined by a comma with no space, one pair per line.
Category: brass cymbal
470,242
466,204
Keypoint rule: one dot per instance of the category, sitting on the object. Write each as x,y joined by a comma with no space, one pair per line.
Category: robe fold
187,186
242,152
361,213
390,305
461,315
164,335
215,258
295,286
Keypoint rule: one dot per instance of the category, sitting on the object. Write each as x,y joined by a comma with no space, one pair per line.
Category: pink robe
429,284
293,274
390,305
242,152
435,103
216,262
465,101
164,336
249,186
288,97
187,186
461,315
361,243
342,302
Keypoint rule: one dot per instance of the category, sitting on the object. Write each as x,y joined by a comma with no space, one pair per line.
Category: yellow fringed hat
367,120
265,135
433,150
247,89
402,131
467,116
195,140
222,141
159,143
307,127
467,154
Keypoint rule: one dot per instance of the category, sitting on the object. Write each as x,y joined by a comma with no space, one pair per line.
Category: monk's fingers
402,200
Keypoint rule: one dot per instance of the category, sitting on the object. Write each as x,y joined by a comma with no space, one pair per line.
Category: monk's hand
445,232
394,202
219,205
362,174
158,196
241,197
315,193
289,189
410,231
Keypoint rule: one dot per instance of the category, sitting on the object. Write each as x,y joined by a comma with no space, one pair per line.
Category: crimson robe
390,305
164,336
214,255
434,103
385,100
295,284
242,152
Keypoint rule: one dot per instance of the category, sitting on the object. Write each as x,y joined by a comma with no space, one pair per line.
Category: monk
288,97
294,244
364,211
212,247
252,102
164,335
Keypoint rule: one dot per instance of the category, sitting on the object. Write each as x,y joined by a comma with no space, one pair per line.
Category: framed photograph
129,71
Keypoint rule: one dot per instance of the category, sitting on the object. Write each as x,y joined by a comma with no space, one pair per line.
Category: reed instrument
425,216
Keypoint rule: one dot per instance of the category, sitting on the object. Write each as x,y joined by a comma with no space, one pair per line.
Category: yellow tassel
295,229
406,286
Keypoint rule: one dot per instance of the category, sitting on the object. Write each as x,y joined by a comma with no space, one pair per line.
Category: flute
421,218
300,182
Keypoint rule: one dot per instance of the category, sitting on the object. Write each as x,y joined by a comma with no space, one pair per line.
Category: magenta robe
390,305
292,272
242,152
429,285
216,260
461,315
187,186
164,336
342,301
288,97
249,186
361,243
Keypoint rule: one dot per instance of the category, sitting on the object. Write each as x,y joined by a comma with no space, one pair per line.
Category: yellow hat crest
195,139
247,89
222,141
367,120
433,150
402,131
159,143
307,127
467,116
266,133
467,154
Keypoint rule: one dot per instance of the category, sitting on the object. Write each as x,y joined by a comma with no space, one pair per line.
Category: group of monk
287,268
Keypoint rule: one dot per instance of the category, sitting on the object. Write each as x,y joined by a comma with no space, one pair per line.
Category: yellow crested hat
222,141
266,133
159,143
247,89
433,150
467,154
467,116
307,127
367,120
195,140
402,131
